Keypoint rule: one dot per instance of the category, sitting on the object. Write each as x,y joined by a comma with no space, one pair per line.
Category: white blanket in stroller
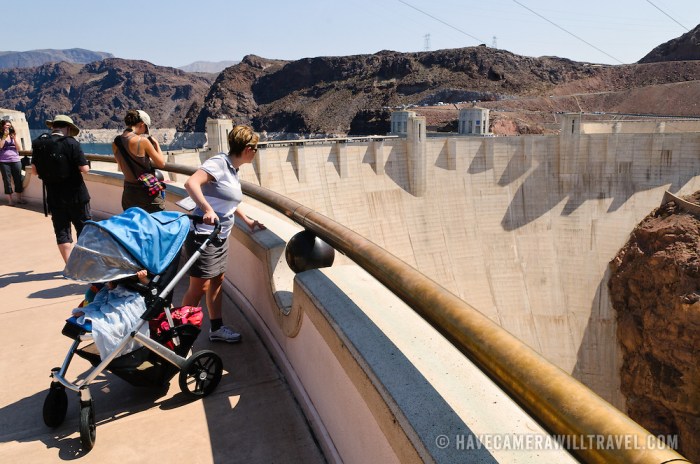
114,314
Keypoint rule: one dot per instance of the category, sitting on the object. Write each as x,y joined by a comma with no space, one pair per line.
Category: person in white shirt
216,190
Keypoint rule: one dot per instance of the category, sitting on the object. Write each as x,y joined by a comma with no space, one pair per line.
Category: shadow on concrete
442,161
522,209
114,400
333,159
481,162
253,412
369,158
518,165
241,414
598,359
545,188
58,292
69,289
28,276
397,170
292,160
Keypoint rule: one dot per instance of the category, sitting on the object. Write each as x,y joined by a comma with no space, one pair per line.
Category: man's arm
83,165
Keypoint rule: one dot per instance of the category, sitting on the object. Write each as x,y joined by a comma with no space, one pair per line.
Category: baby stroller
115,249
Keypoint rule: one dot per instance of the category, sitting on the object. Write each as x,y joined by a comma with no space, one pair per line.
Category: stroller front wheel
55,405
201,374
88,429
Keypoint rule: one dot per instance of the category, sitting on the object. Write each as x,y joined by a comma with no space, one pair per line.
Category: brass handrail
170,167
561,404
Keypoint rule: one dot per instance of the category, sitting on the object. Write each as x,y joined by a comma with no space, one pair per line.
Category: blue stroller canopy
122,245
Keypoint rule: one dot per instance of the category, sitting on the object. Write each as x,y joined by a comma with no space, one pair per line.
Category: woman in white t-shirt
216,190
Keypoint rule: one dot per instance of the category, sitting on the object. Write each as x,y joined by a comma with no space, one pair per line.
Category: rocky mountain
654,290
352,93
355,94
97,95
33,58
685,47
213,67
231,95
663,89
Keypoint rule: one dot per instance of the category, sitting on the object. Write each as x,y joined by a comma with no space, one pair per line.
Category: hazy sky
176,33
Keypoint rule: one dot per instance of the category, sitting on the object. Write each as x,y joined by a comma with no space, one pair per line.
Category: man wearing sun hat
68,200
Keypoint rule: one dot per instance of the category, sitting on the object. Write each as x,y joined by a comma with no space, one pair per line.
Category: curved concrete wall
522,228
377,383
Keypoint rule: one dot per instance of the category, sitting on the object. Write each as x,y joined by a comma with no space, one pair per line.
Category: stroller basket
141,367
116,249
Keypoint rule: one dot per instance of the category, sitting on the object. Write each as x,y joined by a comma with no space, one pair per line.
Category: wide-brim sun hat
74,130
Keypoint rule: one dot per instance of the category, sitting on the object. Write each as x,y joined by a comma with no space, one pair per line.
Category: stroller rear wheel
88,429
201,374
55,405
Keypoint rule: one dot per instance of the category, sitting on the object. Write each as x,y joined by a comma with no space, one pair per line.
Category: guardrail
588,426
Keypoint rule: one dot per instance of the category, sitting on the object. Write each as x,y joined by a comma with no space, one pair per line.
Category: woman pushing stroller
216,190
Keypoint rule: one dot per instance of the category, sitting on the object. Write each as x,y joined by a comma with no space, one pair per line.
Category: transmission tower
427,42
493,42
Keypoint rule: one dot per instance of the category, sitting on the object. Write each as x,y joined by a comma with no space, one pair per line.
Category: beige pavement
251,417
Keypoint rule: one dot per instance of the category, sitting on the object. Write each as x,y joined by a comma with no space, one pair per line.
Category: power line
668,15
570,33
443,22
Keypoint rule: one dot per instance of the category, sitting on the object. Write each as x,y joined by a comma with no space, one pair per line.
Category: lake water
97,148
182,140
106,148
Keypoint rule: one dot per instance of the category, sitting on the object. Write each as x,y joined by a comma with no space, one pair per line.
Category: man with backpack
59,161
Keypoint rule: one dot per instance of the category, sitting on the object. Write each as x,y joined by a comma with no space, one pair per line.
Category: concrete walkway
251,417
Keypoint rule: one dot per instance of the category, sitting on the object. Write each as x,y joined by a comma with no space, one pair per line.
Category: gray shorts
212,261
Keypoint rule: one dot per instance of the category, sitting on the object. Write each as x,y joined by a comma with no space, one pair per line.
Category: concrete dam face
521,228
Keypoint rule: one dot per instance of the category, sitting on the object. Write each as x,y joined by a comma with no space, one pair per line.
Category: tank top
136,165
8,152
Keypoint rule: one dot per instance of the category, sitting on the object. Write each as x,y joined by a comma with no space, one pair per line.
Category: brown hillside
353,94
335,94
654,288
685,47
662,89
97,95
231,95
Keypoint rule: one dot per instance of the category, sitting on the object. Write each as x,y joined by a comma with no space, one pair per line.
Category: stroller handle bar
197,219
185,268
195,256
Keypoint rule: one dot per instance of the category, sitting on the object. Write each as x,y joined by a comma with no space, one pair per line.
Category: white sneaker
224,334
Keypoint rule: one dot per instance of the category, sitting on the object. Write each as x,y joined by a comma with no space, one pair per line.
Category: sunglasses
255,149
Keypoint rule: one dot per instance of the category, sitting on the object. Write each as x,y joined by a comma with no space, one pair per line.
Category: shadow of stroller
59,292
114,398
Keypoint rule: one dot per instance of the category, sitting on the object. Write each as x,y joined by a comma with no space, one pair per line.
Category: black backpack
51,163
